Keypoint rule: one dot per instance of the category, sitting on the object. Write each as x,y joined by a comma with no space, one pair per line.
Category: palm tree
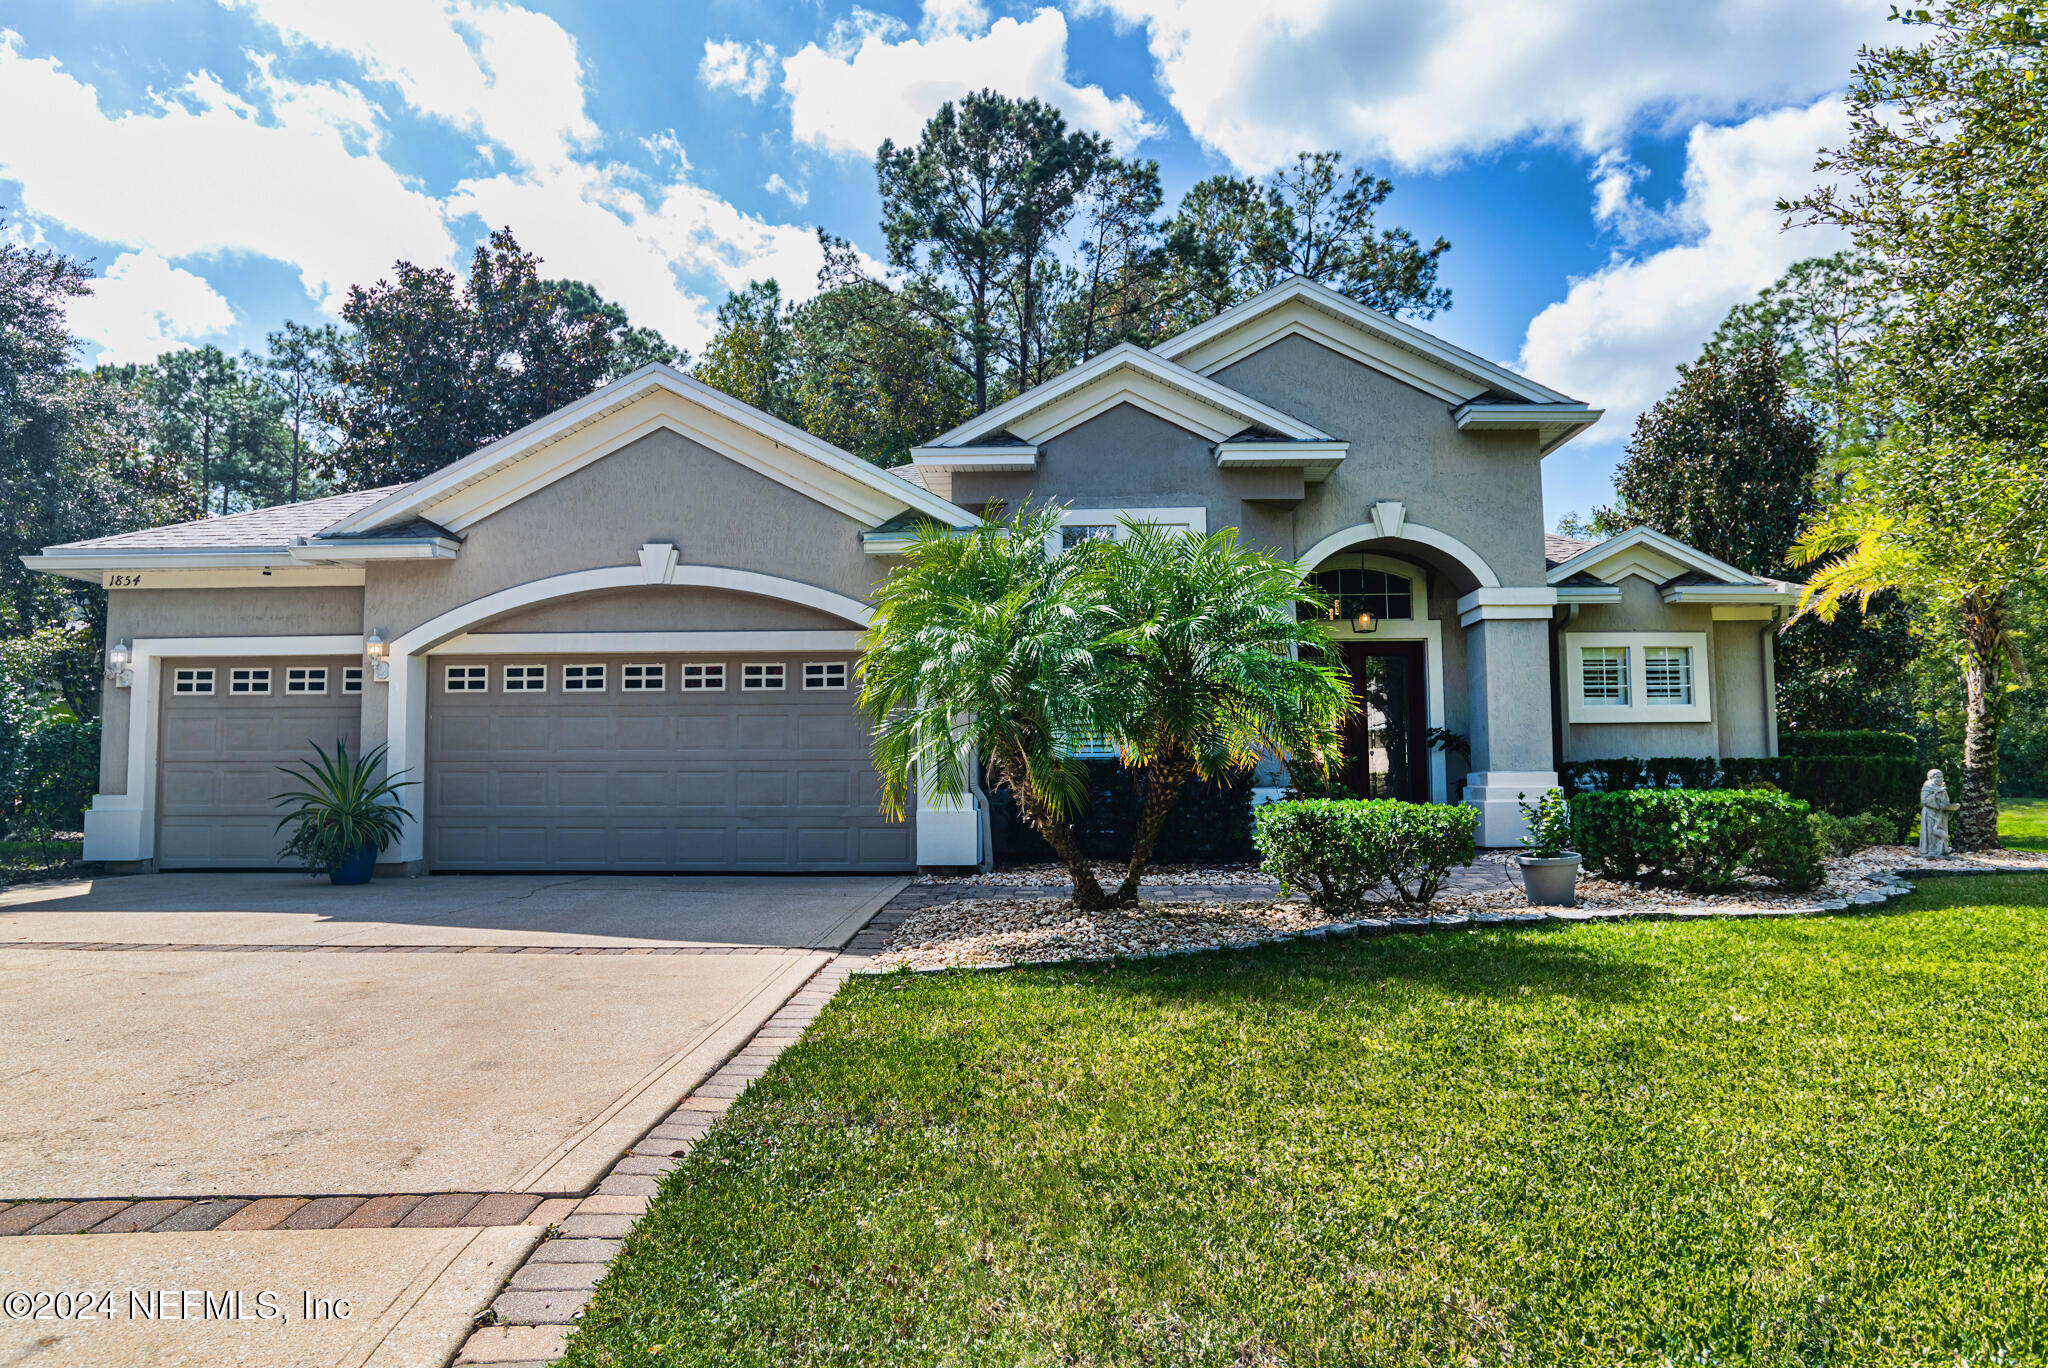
980,646
1206,666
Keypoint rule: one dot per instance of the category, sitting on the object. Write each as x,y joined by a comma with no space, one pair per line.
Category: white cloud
143,307
1421,85
795,194
204,173
498,71
870,82
743,68
942,17
1617,335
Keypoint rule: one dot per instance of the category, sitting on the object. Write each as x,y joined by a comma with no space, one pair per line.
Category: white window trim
781,684
628,684
352,679
1639,709
525,684
845,674
683,684
256,674
201,674
307,682
1196,520
583,685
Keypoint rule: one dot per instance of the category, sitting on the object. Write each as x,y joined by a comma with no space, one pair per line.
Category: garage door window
192,682
526,678
825,674
762,676
703,676
467,679
305,679
652,678
249,681
583,678
352,679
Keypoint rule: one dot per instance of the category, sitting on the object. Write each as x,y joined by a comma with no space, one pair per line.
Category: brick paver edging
531,1319
347,1211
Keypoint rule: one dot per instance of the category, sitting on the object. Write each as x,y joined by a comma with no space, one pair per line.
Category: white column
1507,662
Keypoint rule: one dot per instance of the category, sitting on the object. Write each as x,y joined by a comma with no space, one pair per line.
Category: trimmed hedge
1209,824
1340,851
1845,785
1701,839
1897,745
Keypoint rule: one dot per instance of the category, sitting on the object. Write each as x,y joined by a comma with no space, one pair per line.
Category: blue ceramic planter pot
357,868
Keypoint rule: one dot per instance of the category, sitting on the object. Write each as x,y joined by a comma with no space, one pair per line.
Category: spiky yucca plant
343,805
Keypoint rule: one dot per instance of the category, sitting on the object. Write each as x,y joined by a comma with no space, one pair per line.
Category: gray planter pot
1552,882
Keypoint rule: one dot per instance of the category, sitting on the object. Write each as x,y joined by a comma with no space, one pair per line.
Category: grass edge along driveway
1797,1142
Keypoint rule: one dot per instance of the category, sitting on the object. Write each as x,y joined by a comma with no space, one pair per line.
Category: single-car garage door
675,763
225,727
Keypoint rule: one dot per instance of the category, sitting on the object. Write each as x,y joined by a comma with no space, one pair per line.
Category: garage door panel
219,760
668,779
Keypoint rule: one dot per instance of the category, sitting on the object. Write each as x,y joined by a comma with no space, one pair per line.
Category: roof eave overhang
91,565
315,551
1315,460
1553,424
996,459
1731,593
1588,593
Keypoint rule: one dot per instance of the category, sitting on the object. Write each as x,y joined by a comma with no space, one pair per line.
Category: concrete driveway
258,1036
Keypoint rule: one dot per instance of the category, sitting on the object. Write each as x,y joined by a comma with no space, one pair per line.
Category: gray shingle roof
1557,550
259,529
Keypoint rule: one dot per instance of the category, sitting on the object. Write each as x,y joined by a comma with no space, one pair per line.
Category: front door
1386,742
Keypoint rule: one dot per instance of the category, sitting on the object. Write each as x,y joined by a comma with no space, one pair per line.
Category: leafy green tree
223,424
1820,317
632,347
429,373
972,214
1116,285
1204,665
1942,183
1235,236
74,460
1729,462
295,370
977,649
753,356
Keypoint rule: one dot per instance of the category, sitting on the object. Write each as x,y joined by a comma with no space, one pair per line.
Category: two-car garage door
754,763
747,763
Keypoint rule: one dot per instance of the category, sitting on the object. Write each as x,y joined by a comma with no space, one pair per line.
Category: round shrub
1341,852
1701,839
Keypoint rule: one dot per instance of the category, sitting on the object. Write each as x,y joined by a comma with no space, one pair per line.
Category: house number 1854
119,580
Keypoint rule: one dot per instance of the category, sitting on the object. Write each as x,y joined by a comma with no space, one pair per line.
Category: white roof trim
484,481
1602,552
1731,593
1210,346
1553,424
988,459
1126,373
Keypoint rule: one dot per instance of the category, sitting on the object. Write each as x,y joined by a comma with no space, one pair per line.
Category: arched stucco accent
438,629
1410,531
406,697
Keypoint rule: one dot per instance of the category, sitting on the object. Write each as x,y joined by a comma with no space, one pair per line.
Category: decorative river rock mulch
998,932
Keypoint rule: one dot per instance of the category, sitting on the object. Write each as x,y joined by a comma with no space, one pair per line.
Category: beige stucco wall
1741,703
1131,458
1485,489
135,614
665,608
661,488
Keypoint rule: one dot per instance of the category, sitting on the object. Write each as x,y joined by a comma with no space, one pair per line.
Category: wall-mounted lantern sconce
380,659
118,659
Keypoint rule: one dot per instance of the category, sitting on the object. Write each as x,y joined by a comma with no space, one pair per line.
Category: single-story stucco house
625,637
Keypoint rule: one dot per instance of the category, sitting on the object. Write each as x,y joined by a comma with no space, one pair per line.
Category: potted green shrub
1550,867
344,814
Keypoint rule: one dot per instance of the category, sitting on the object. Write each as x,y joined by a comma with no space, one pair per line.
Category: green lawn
2023,822
1787,1142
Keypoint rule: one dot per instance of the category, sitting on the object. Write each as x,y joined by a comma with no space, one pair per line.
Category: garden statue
1934,810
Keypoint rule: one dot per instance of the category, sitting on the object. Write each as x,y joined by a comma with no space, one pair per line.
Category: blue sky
1604,169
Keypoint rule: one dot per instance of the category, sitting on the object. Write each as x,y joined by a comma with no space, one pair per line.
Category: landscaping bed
1781,1141
987,932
